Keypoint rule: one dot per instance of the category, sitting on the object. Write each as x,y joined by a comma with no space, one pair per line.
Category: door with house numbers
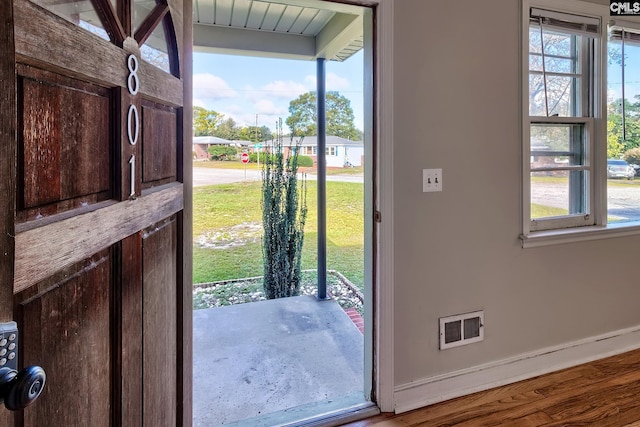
95,207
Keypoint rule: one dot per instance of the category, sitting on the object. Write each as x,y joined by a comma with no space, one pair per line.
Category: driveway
209,176
623,201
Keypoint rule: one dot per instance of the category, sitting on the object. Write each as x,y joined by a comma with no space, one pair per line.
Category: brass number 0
132,134
133,117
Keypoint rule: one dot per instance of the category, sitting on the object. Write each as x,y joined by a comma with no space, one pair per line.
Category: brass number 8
133,82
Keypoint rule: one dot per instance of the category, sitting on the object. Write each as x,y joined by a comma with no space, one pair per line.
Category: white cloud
246,119
234,109
212,87
265,106
199,103
288,90
333,82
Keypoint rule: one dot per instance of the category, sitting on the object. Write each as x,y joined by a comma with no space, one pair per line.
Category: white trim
580,234
369,159
525,128
507,371
384,342
599,154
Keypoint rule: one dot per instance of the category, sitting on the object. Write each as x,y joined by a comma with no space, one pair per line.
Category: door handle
21,389
17,389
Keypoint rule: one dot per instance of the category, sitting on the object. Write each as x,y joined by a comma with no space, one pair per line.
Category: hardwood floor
601,393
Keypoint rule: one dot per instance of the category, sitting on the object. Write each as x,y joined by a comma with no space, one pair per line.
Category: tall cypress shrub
284,212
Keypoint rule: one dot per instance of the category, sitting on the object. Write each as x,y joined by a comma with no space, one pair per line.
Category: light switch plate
431,180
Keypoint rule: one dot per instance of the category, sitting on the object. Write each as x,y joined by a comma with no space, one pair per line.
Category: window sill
579,234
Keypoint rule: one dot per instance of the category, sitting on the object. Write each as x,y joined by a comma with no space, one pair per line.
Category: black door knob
20,389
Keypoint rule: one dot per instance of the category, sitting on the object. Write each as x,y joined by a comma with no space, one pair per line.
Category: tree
614,147
255,134
621,140
284,212
339,116
633,156
265,133
222,152
550,95
228,129
205,121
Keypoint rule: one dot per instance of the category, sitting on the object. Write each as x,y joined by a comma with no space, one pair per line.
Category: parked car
619,169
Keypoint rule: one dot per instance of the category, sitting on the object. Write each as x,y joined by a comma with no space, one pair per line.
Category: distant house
340,152
201,145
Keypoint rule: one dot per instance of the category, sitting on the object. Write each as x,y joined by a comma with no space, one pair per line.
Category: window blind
567,22
618,34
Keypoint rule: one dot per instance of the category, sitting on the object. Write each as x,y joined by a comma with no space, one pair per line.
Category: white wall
353,155
457,107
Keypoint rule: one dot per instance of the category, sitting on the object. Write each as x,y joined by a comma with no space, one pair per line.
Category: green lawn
565,180
231,216
226,164
542,211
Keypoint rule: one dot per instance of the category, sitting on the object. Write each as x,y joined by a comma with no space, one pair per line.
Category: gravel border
207,295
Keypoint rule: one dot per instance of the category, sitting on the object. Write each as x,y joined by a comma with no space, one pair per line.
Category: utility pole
257,142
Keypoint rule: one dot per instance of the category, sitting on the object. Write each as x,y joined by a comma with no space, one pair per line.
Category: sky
632,73
242,86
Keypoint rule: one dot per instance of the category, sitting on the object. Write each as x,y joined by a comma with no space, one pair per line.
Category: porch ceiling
294,29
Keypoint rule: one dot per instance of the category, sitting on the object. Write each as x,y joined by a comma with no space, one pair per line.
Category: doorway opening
294,358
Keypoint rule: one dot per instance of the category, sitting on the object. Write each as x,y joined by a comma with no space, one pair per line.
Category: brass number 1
132,162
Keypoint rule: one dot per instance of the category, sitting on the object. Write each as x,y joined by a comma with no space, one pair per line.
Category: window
581,133
330,151
623,122
564,64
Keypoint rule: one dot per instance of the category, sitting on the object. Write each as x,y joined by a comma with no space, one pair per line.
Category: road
623,201
208,176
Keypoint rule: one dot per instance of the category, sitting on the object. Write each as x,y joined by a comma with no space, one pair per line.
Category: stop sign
244,157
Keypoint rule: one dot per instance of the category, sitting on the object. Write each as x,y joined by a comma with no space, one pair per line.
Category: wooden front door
95,262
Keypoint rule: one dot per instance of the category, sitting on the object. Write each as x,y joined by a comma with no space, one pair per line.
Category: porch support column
322,181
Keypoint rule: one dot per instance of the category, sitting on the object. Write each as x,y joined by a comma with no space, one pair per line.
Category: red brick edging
355,318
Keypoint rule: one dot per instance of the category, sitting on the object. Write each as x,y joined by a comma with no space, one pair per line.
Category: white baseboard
436,389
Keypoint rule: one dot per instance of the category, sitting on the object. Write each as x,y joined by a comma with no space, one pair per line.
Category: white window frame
569,228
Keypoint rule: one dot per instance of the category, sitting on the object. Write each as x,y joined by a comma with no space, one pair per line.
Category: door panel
130,338
63,162
159,144
159,323
65,330
95,257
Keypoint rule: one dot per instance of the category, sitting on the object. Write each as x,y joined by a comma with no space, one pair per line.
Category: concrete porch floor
275,362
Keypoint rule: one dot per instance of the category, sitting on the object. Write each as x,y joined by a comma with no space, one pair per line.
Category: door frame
185,321
8,152
383,359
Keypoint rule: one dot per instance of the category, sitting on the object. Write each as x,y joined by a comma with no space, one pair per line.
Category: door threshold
326,414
